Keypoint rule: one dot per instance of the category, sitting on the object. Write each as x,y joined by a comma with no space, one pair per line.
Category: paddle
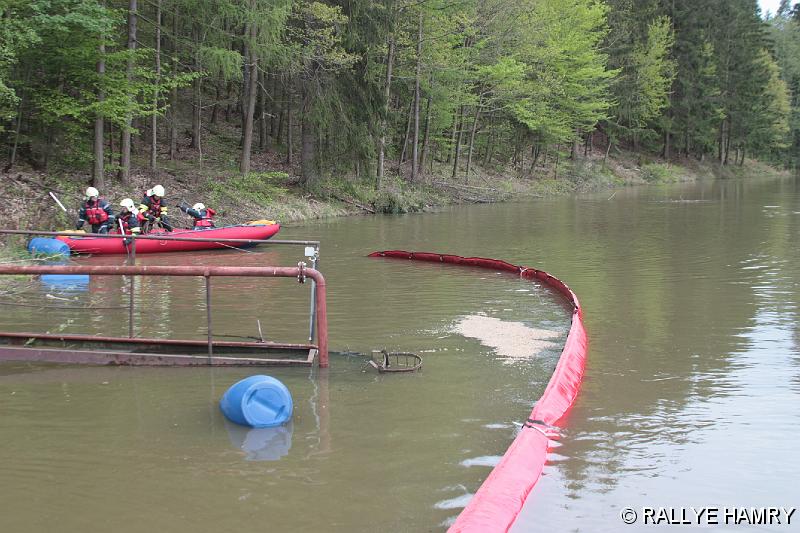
54,197
124,240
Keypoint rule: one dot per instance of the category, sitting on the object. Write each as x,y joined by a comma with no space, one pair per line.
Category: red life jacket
207,220
125,218
155,206
95,214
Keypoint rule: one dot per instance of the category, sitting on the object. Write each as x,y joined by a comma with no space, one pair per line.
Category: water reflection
261,444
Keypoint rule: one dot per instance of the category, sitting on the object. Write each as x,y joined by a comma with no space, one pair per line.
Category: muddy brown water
690,295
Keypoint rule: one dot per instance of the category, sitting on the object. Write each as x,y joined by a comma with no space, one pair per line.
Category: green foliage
262,188
566,84
221,63
503,79
658,173
785,33
646,75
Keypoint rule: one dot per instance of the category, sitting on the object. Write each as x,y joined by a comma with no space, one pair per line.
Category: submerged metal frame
300,272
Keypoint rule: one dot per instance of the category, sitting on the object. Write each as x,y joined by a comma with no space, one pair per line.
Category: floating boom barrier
500,498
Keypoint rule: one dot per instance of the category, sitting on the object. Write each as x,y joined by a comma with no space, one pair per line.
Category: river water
690,294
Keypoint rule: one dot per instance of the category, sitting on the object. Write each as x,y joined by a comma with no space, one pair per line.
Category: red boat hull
102,245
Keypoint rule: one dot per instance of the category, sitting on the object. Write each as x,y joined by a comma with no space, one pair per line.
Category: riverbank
273,189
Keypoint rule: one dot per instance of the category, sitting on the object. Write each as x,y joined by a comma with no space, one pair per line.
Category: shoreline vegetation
276,192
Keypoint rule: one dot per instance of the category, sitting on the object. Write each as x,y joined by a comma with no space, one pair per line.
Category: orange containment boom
500,498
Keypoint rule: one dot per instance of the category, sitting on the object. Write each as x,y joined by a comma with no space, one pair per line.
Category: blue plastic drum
46,246
257,401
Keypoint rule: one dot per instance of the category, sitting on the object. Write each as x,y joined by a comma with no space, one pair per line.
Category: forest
410,89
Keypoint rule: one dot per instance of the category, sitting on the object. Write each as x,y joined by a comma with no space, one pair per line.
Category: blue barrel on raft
258,401
47,246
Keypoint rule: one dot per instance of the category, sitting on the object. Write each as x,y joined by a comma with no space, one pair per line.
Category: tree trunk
228,99
281,116
98,174
110,143
425,135
197,108
536,149
153,121
274,110
173,106
487,155
405,138
262,113
555,167
452,140
457,147
250,108
415,145
574,149
686,142
387,93
243,101
12,159
727,144
215,105
125,161
472,140
289,145
515,157
307,147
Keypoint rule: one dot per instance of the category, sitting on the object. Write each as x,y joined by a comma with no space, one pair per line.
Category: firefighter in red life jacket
130,217
203,216
96,211
154,208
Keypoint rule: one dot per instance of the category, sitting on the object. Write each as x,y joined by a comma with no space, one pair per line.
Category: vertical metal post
208,317
130,307
133,248
322,317
312,321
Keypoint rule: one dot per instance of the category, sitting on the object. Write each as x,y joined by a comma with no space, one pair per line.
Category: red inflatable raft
105,245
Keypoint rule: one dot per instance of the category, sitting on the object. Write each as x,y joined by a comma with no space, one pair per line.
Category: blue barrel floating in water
47,246
257,401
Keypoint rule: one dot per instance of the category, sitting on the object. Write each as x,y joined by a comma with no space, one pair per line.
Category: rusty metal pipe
161,270
208,318
322,315
130,306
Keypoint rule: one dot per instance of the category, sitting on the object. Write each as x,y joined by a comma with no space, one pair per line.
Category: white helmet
198,206
92,192
128,204
158,190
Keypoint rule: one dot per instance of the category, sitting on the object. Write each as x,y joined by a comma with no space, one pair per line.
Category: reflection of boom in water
261,444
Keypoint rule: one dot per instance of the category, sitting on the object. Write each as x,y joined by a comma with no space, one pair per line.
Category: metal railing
311,251
301,272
